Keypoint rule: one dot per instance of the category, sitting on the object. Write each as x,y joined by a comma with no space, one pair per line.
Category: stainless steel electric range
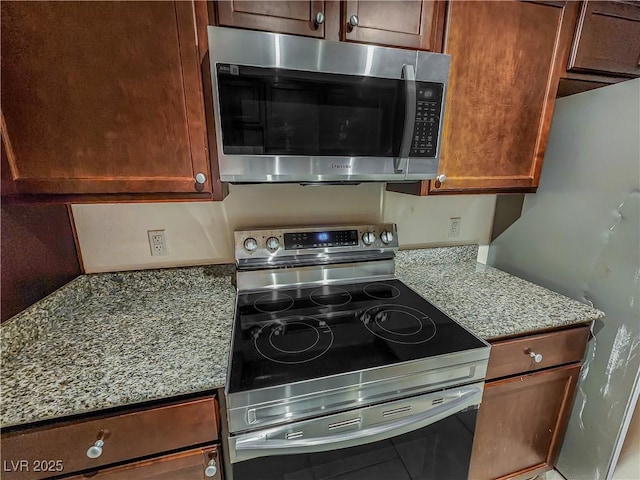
340,371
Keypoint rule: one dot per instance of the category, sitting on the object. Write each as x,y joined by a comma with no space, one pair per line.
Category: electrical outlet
454,227
157,242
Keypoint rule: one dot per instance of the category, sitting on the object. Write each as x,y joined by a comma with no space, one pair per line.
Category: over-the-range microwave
295,109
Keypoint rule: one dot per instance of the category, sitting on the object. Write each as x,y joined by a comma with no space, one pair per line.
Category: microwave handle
409,77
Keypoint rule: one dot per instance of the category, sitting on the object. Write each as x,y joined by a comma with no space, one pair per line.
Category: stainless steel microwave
295,109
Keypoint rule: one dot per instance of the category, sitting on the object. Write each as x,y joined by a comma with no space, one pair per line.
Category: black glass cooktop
291,335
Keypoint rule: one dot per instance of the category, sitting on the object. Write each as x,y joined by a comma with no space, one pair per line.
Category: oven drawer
126,436
535,352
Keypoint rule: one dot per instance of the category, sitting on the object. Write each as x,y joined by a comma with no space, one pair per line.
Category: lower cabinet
198,464
159,441
523,416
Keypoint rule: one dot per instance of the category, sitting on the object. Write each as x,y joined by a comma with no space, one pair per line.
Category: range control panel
428,107
282,242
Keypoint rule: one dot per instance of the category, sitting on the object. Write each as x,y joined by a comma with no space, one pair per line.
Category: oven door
424,437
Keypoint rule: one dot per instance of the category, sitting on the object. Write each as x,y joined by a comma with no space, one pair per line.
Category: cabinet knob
95,450
318,20
201,178
211,469
537,357
353,21
440,179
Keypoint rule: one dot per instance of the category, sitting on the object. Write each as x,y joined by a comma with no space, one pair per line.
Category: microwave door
291,125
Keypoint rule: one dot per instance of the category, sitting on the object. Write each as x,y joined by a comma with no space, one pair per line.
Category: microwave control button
273,244
386,237
368,238
250,244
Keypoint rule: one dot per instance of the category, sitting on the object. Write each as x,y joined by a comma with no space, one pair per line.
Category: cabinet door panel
521,422
291,16
102,97
505,61
410,24
607,39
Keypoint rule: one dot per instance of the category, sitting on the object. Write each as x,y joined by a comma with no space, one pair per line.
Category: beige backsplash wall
113,237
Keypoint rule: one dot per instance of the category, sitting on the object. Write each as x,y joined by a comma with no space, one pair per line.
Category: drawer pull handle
95,450
211,469
537,357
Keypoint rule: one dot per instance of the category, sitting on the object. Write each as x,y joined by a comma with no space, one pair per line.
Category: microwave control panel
428,107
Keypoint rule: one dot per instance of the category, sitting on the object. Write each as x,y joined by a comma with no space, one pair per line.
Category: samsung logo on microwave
338,165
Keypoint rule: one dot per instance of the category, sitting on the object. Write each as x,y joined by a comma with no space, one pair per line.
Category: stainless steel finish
358,427
368,238
386,237
201,178
273,244
263,257
95,450
211,469
316,274
318,19
250,244
285,403
244,47
537,357
353,21
409,77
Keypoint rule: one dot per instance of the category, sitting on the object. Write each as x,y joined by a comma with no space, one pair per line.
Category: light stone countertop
111,340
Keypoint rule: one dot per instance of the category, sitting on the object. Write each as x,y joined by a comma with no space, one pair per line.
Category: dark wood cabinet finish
511,357
103,97
407,24
607,39
521,423
189,465
294,17
126,436
505,64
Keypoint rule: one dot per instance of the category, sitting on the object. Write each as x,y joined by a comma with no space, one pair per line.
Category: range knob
386,237
273,244
368,238
250,244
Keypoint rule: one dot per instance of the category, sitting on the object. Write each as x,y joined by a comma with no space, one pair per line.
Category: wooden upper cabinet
409,24
296,17
506,58
607,39
103,97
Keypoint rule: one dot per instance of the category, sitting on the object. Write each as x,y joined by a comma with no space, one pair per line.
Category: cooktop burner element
274,302
381,290
399,324
332,329
293,340
328,296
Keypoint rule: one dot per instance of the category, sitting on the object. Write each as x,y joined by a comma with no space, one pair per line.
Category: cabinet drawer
126,436
512,357
189,465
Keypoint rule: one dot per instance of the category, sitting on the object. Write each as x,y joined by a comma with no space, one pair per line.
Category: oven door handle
409,76
289,439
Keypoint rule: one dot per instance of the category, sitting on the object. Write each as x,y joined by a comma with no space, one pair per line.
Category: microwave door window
267,111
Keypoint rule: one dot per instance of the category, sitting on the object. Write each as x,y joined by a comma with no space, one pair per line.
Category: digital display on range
339,238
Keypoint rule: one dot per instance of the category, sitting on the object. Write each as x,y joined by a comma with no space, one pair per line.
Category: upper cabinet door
607,39
408,24
506,59
296,17
103,97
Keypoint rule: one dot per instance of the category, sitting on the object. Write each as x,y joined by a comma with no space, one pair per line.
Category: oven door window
270,111
438,451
